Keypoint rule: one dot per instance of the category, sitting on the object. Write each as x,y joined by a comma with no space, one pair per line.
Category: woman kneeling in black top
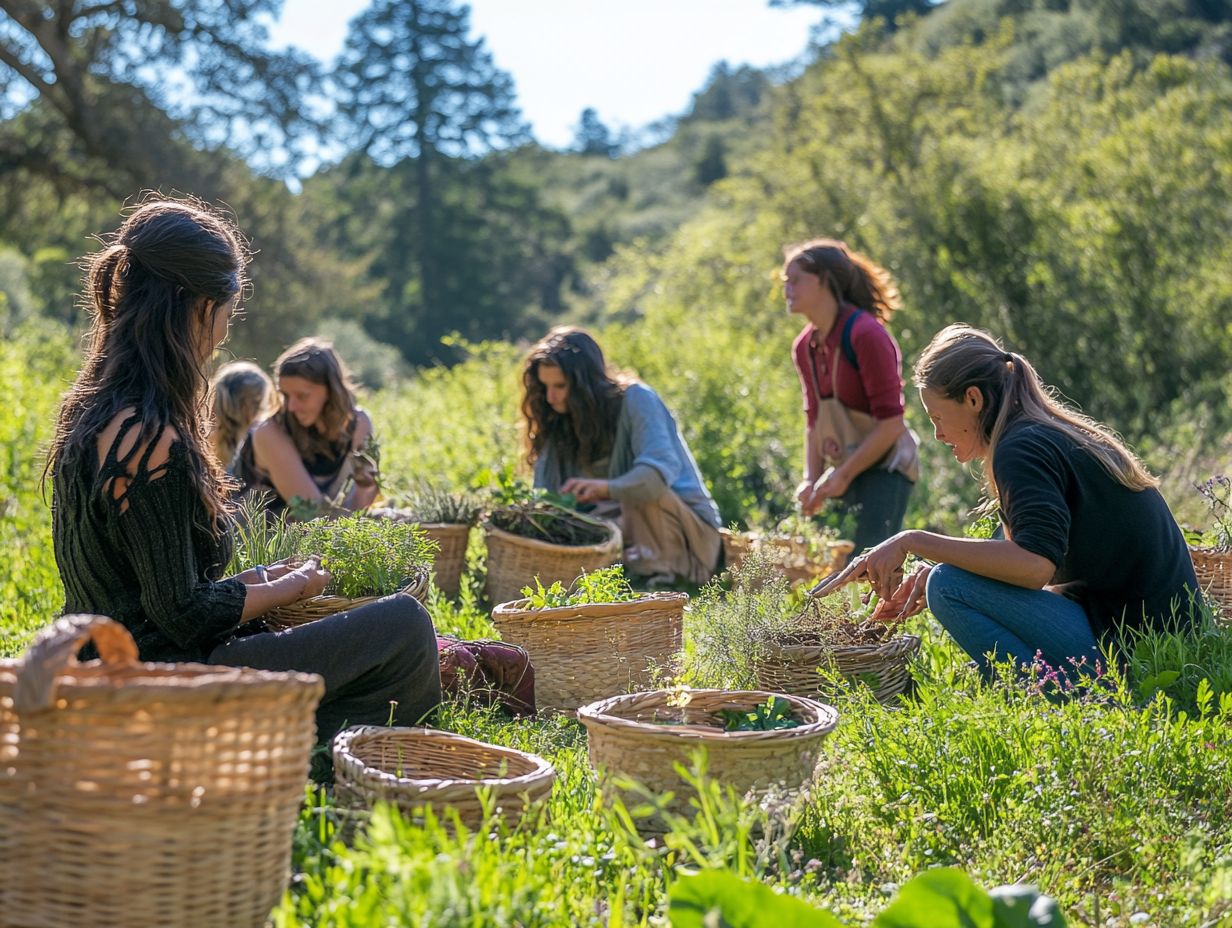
1089,545
139,518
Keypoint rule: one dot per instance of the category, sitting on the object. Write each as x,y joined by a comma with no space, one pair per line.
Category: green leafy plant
1217,494
773,714
425,502
606,585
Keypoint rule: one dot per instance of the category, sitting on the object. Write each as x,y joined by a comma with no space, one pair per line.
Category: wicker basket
515,562
1214,571
451,539
583,653
627,739
136,794
416,767
788,553
319,607
789,664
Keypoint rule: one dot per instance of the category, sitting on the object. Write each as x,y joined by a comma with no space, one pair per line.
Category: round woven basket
1214,571
628,739
515,562
146,794
417,767
788,553
451,539
789,664
583,653
318,607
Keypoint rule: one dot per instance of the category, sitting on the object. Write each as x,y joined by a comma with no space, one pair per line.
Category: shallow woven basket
789,664
789,553
626,741
136,794
515,562
416,767
583,653
450,561
319,607
1214,571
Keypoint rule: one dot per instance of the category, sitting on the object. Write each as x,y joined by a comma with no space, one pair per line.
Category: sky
634,61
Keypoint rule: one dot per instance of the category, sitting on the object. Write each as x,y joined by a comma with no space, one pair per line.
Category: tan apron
838,430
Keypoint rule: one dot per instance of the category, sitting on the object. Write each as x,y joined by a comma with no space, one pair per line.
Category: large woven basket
136,794
515,562
1214,571
788,553
628,739
789,664
451,539
417,767
583,653
319,607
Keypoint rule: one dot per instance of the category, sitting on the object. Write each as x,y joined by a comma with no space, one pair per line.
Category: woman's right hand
316,577
907,600
804,493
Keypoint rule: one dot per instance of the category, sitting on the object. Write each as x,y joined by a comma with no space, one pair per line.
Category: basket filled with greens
801,550
446,517
595,638
1211,551
539,538
755,742
414,768
367,558
834,637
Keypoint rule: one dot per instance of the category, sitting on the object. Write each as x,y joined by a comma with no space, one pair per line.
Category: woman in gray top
609,440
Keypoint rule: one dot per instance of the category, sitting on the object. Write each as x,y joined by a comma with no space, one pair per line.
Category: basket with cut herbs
446,517
595,637
833,637
755,742
1211,551
801,550
367,559
540,537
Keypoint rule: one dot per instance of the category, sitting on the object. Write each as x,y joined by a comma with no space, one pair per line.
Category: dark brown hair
852,277
588,431
153,292
315,360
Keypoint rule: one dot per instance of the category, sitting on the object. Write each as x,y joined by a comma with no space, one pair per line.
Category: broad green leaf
1020,906
718,898
941,898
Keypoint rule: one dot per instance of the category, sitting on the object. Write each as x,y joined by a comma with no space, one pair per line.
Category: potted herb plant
593,639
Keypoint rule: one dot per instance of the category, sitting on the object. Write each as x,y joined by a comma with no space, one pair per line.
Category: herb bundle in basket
546,521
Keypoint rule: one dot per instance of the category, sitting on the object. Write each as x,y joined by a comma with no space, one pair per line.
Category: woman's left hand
833,483
586,489
881,566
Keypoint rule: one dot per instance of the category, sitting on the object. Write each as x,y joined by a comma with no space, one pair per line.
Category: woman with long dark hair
315,446
1088,546
140,520
858,450
609,439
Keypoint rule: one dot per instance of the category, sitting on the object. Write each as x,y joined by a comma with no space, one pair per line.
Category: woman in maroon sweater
858,450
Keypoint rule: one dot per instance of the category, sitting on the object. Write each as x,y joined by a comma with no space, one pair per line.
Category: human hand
907,600
881,566
586,489
804,492
831,485
315,577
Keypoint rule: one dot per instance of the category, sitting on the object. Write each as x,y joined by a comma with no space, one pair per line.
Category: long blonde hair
961,356
240,394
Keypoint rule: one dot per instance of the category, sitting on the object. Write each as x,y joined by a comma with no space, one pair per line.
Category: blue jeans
987,616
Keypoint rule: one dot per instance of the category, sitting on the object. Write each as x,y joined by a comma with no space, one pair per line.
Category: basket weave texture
584,653
136,794
627,739
451,539
514,561
788,553
319,607
1214,571
416,767
789,663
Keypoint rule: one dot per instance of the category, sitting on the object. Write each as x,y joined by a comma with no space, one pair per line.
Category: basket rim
510,610
611,544
599,715
444,526
1210,551
891,646
344,741
145,678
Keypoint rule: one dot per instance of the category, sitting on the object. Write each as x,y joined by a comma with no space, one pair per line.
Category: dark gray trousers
371,657
878,501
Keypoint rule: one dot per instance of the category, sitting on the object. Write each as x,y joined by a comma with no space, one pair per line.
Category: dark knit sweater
148,560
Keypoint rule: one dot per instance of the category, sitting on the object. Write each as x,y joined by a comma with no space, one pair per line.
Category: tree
112,92
889,10
592,137
419,94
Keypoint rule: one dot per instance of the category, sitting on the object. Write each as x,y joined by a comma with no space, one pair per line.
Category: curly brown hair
316,361
852,277
586,433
